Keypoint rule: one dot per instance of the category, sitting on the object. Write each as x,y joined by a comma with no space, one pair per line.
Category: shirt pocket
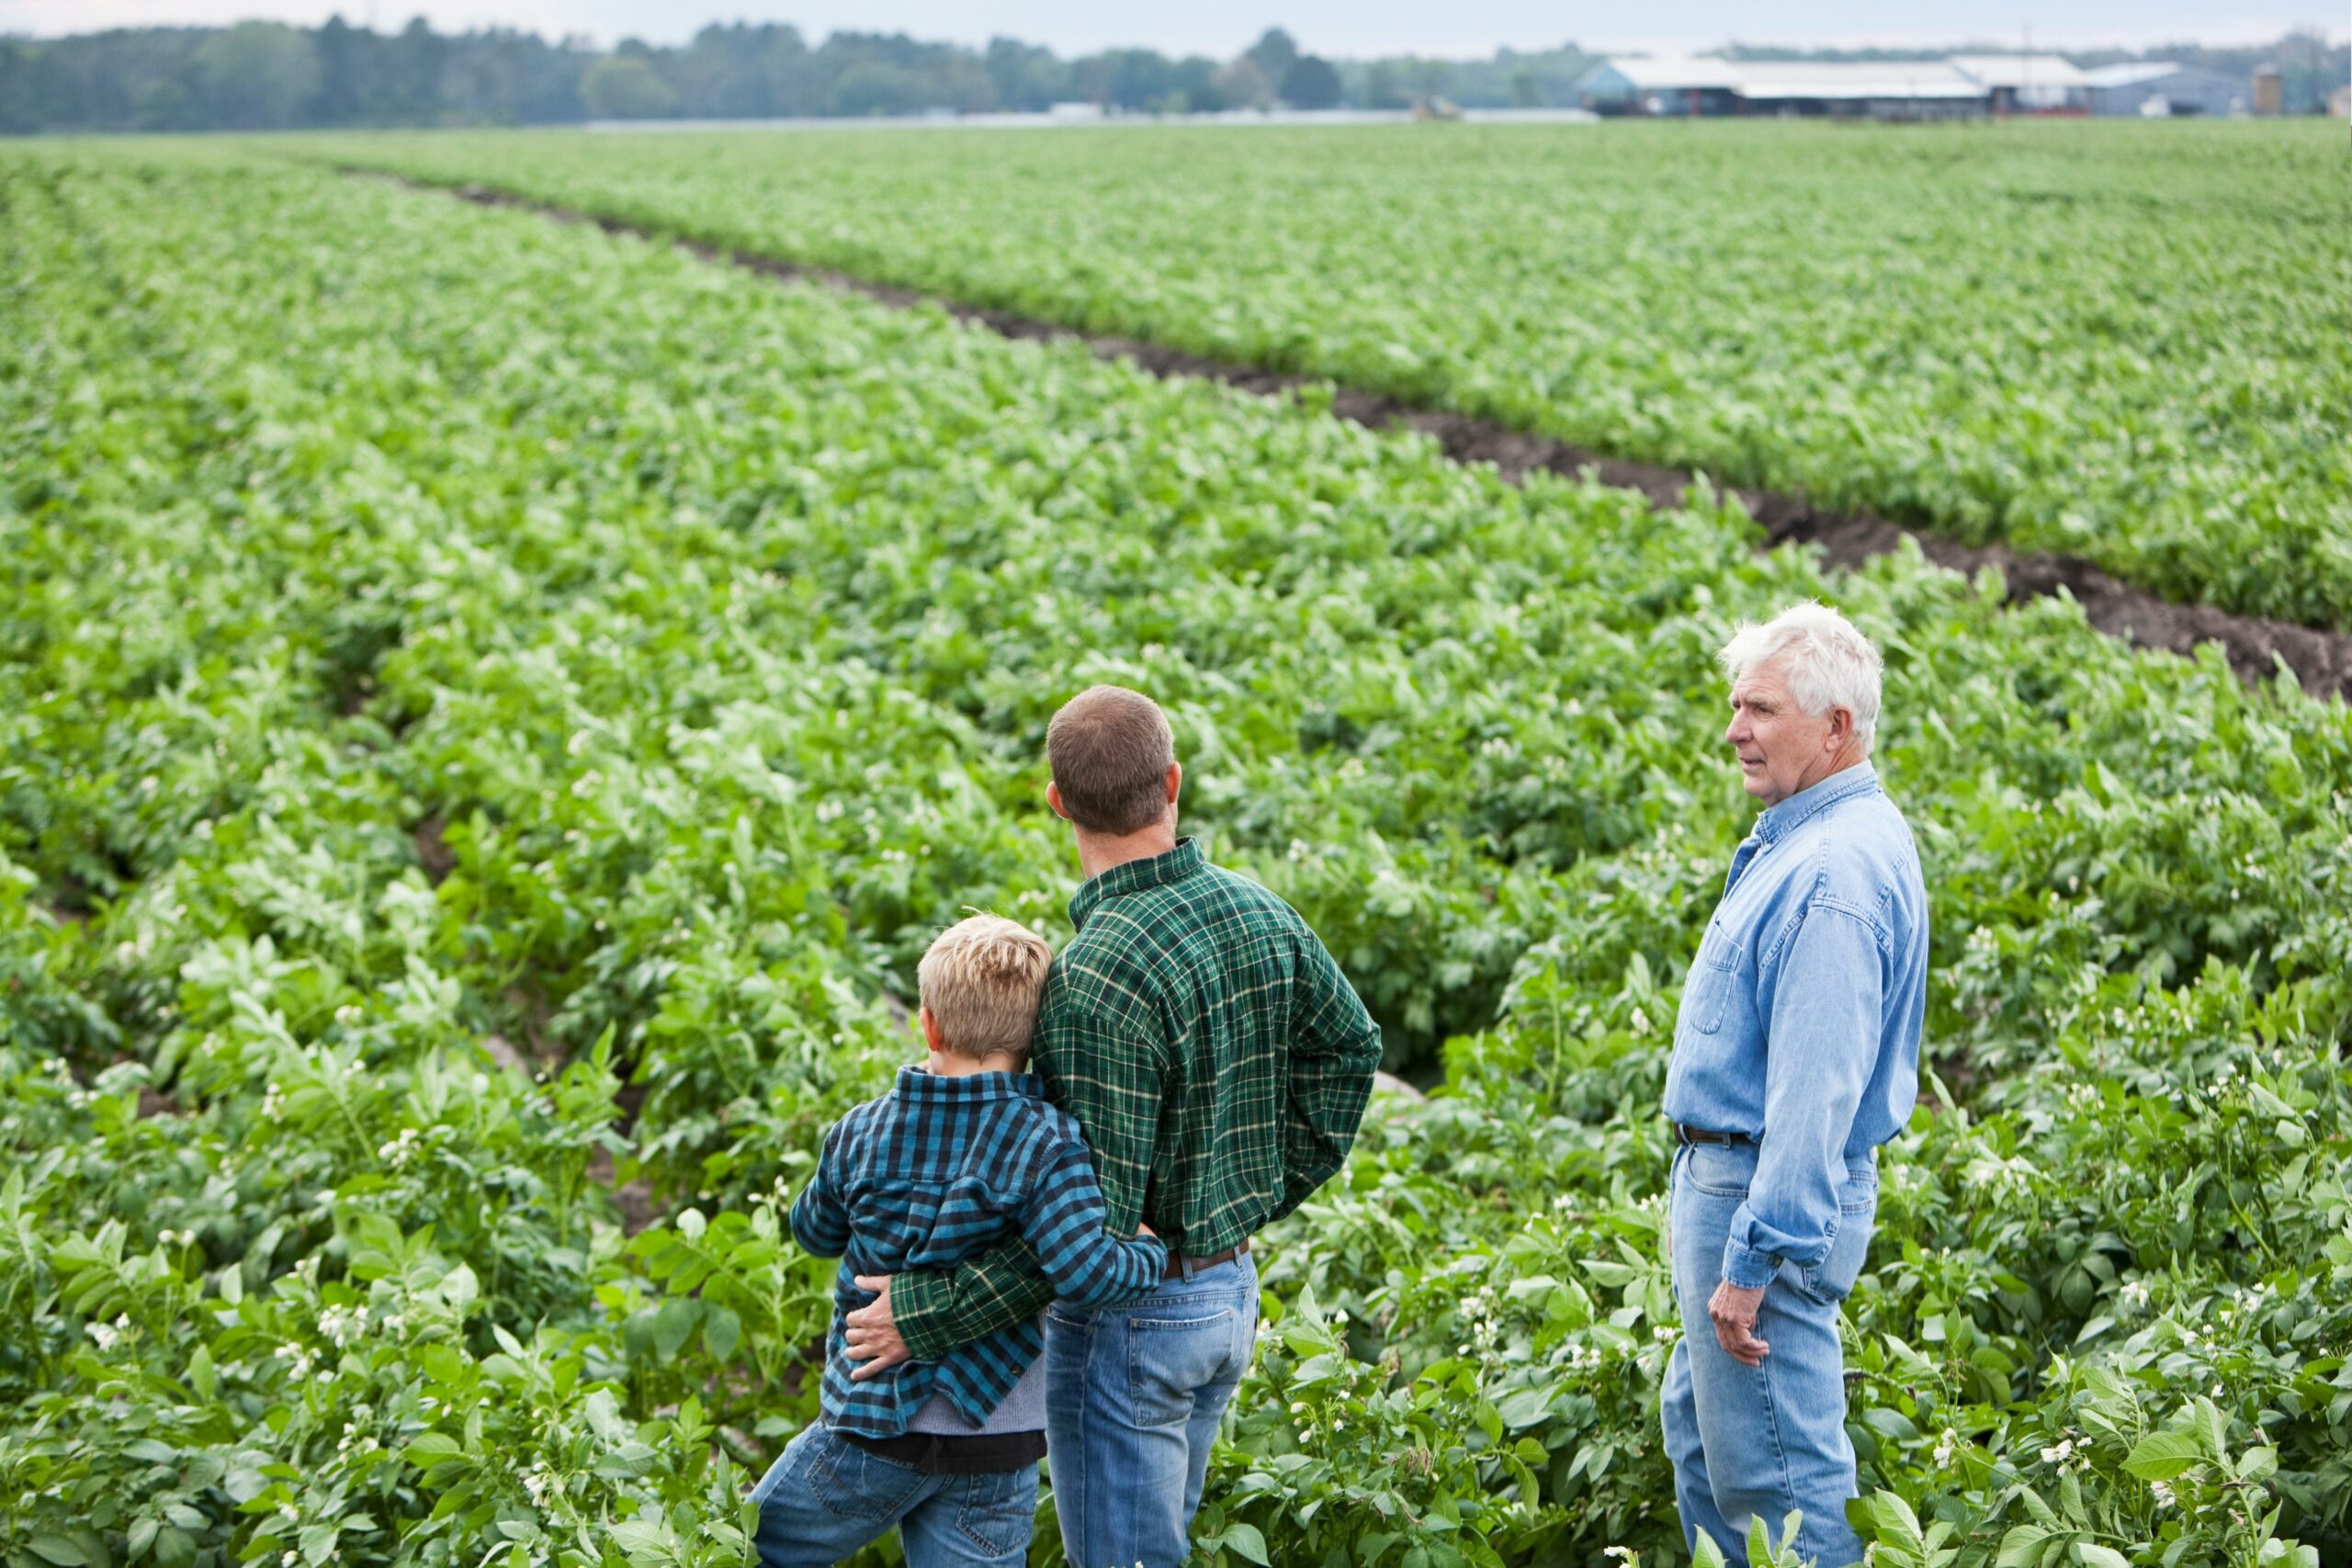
1714,982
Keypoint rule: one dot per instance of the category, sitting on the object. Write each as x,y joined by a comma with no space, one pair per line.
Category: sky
1347,29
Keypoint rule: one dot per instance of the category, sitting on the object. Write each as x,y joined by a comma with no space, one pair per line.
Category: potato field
2079,338
491,711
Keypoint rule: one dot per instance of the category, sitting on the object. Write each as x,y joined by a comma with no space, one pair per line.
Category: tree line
274,76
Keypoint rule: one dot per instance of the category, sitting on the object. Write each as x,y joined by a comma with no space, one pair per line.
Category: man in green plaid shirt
1218,1062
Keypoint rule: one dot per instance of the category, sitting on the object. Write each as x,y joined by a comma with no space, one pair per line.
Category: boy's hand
1143,1227
873,1335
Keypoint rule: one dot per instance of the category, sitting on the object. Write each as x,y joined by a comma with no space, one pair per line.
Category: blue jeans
1133,1398
825,1497
1762,1440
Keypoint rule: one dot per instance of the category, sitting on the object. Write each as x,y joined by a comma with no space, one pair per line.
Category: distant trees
254,76
1242,85
625,86
267,76
1274,53
1022,75
264,75
1384,87
1311,83
16,116
741,71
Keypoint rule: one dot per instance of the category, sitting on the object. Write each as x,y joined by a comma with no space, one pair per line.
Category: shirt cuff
921,1310
1745,1268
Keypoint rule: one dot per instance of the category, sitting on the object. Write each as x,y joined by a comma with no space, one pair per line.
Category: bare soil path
2320,660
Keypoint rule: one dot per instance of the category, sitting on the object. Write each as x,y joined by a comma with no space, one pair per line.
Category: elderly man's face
1781,747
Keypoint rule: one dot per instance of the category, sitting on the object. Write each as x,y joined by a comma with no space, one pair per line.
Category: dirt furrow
2320,660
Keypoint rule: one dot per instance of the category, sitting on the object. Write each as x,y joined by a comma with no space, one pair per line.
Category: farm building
1901,89
2156,88
1957,86
2028,84
1664,85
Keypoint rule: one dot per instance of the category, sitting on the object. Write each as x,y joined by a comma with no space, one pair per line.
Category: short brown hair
981,978
1109,749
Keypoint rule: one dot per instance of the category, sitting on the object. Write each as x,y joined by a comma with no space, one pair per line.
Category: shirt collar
1793,813
1135,876
917,1086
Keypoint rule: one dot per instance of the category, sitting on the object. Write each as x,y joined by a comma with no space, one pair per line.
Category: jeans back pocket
997,1511
1174,1355
857,1485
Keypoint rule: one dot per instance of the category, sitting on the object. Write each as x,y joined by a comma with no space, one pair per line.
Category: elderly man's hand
1734,1312
874,1341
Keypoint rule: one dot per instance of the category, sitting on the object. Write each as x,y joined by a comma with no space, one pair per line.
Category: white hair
1828,663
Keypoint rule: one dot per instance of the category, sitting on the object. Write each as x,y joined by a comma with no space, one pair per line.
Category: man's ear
1054,799
929,1028
1841,730
1175,782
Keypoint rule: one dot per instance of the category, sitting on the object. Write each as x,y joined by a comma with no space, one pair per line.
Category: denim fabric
1801,1019
1133,1398
825,1497
1761,1439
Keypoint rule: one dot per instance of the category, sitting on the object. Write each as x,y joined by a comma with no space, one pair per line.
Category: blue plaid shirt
938,1167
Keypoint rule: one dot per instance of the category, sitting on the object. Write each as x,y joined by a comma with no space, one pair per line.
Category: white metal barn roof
1780,79
1858,79
2022,70
1674,73
2130,73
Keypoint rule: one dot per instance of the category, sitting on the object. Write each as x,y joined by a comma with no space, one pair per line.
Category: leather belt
1179,1265
956,1453
1683,1134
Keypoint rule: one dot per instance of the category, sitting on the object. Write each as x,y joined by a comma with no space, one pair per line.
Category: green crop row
2127,343
453,664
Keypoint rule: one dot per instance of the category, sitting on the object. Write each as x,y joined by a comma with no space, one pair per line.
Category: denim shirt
1800,1021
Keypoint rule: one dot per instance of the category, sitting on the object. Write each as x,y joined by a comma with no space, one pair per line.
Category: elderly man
1795,1056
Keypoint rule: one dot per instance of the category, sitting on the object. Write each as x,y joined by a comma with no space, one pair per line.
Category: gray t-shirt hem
1022,1410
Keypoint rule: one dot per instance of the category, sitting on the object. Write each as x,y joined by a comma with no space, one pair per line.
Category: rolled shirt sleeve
1334,1050
1825,1029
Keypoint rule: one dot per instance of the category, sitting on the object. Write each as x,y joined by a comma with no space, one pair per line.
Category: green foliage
490,715
2126,343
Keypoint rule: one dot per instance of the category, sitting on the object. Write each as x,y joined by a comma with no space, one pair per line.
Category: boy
962,1154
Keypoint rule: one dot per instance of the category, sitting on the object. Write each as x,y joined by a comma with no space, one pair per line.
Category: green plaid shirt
1216,1057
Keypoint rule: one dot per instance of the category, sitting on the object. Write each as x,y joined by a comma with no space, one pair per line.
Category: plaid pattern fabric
920,1178
1214,1053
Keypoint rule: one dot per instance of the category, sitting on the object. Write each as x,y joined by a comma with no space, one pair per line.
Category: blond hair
1109,749
981,978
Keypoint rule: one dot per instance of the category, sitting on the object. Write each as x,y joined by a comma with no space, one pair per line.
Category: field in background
2128,343
454,663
